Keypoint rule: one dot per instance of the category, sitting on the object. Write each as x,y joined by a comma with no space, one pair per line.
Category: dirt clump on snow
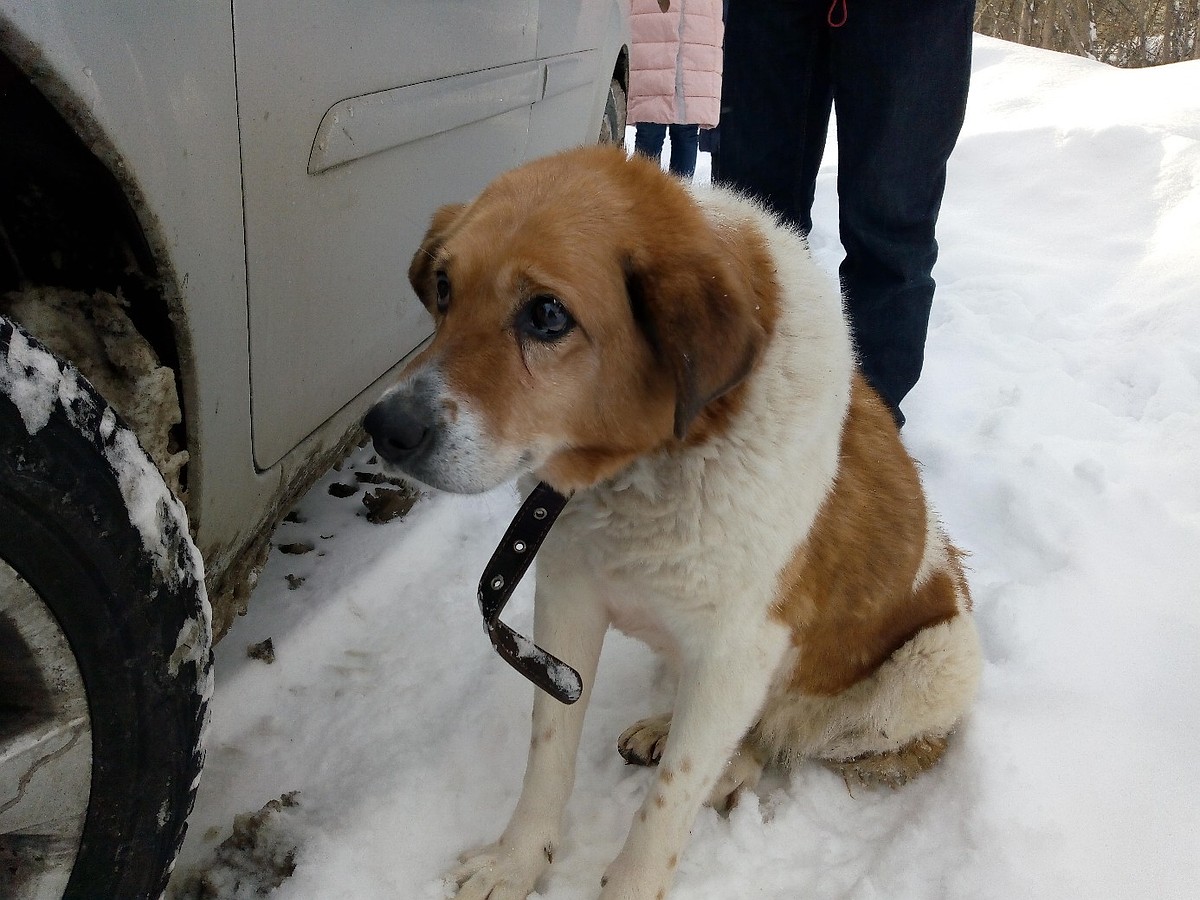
340,489
384,504
257,858
264,651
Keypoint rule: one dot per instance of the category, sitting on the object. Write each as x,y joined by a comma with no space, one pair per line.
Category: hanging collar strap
500,578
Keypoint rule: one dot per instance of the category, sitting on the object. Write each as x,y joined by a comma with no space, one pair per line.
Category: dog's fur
741,499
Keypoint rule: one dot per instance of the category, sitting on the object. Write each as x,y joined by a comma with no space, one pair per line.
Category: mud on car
206,213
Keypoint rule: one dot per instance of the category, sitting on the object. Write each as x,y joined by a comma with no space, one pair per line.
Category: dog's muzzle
400,425
422,434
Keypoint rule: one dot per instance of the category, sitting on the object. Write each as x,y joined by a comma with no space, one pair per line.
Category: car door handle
361,126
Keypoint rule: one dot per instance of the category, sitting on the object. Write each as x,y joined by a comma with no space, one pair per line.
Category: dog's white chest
667,559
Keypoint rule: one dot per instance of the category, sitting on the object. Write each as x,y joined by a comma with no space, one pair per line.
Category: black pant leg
776,97
900,73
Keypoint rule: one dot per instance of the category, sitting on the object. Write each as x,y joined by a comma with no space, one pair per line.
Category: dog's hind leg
894,768
891,726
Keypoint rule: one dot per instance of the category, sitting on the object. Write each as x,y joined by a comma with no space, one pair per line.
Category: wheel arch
621,70
73,216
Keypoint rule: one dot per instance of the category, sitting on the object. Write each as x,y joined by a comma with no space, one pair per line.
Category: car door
357,119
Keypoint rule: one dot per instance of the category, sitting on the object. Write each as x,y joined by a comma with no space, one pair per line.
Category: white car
206,216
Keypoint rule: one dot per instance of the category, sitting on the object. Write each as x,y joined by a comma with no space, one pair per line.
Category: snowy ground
1058,421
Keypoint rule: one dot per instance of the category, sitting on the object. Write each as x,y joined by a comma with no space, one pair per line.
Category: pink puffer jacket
675,62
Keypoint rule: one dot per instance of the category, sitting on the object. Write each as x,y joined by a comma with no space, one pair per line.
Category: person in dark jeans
897,73
649,137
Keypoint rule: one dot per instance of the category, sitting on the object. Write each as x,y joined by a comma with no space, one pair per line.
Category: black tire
128,594
612,126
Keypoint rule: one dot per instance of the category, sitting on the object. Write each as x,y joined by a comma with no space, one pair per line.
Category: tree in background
1118,32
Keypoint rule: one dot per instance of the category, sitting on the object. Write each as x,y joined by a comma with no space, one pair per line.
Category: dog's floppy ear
420,270
698,316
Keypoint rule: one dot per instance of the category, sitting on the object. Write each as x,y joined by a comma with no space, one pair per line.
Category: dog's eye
545,318
443,291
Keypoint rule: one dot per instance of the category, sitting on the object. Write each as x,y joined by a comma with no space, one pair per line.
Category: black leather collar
500,578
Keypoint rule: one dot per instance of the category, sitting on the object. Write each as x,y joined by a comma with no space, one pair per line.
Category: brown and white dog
740,498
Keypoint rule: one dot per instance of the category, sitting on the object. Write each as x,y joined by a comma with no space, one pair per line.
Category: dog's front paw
619,883
499,872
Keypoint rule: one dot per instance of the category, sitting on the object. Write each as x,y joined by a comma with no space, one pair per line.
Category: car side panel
151,88
349,142
575,40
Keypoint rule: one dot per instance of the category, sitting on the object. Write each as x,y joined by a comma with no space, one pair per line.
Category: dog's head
586,313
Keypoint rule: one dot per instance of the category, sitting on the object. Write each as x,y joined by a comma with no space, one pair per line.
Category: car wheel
105,643
612,127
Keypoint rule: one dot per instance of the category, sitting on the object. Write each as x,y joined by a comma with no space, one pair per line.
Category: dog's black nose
395,428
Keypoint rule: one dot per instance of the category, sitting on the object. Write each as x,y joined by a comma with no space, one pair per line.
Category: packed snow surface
1058,423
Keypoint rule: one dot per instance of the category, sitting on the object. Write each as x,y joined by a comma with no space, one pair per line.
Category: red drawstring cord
833,9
